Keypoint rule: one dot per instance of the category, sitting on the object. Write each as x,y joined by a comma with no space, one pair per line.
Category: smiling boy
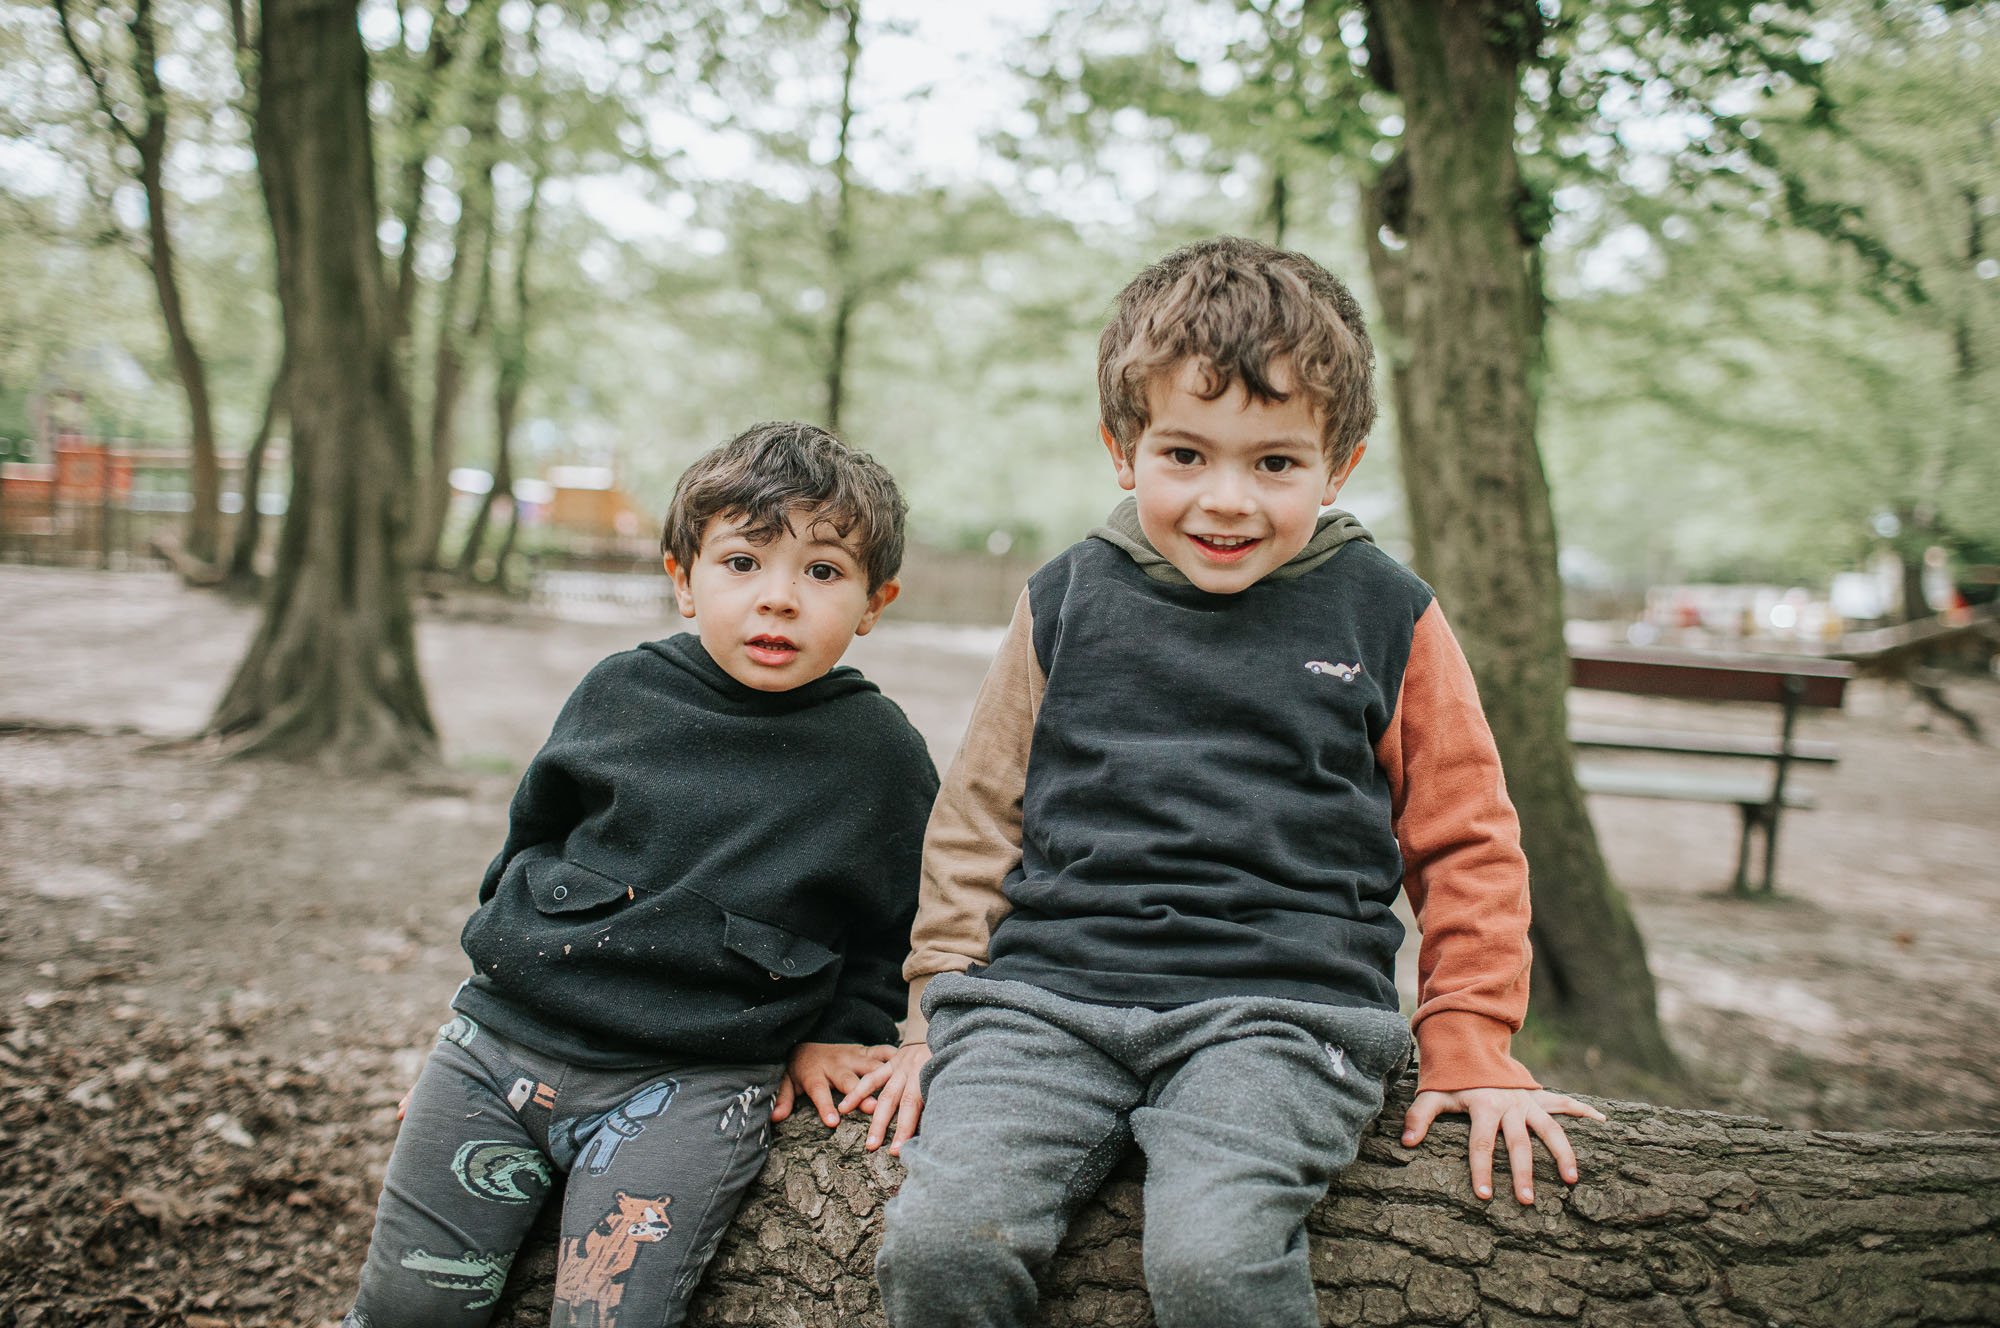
700,910
1220,736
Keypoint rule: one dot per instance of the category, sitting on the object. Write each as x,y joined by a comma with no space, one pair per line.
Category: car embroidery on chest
1344,672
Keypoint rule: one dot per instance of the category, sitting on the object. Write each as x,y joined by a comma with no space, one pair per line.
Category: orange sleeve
1462,867
974,837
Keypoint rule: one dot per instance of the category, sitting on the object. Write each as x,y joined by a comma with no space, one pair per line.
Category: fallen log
1682,1218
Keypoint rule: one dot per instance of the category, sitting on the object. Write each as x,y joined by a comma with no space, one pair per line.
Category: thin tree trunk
332,671
242,571
204,470
510,356
840,239
506,397
501,579
1682,1218
458,325
1277,204
149,141
439,53
1479,499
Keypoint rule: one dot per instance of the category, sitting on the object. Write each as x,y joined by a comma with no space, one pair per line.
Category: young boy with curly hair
701,909
1221,734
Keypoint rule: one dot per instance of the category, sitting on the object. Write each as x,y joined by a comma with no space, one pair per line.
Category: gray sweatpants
658,1159
1246,1108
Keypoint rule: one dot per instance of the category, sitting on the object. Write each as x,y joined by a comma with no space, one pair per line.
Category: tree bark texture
332,670
1683,1218
1478,497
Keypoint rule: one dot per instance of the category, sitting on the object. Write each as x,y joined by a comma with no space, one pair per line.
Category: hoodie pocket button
560,892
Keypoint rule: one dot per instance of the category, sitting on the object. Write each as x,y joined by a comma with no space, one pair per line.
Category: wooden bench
1788,682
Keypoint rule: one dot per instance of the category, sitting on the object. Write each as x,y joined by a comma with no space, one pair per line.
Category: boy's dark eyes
740,562
823,572
1276,465
1183,456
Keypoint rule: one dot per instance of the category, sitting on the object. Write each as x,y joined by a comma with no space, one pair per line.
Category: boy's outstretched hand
1507,1113
897,1098
818,1070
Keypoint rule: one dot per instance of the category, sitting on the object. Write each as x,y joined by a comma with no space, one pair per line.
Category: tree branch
94,75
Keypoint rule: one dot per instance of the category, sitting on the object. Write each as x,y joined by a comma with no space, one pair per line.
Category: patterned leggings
657,1157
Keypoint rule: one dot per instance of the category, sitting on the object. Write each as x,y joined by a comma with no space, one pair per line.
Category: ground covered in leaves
215,979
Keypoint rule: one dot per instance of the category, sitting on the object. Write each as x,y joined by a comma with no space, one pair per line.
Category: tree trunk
1277,203
438,55
204,471
461,319
242,571
149,141
840,237
1479,501
332,670
1683,1218
510,375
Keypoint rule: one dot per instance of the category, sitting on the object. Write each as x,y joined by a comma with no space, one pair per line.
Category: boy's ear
883,596
1339,477
683,593
1119,461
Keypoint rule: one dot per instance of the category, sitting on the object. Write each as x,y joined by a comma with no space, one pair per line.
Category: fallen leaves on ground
157,1176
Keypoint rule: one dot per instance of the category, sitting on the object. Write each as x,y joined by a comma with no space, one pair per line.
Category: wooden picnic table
1791,683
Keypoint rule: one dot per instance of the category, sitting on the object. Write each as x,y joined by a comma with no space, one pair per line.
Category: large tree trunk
1469,349
1682,1218
332,670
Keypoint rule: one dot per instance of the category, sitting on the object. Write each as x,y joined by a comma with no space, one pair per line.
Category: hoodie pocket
561,886
781,953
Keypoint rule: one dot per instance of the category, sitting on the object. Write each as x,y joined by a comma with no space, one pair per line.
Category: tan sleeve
1463,869
974,836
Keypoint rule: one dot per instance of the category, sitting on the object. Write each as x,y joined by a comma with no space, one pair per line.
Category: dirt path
182,940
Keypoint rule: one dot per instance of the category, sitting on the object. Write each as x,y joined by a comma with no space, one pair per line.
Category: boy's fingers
781,1108
1569,1106
822,1097
907,1115
1479,1148
881,1051
866,1085
1557,1143
882,1113
1520,1155
1417,1120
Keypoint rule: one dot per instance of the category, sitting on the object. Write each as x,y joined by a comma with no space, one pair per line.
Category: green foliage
1762,384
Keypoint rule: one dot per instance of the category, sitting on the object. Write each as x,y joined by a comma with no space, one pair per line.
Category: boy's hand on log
816,1070
1504,1113
897,1097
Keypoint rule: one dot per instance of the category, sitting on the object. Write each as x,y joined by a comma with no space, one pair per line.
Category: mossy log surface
1683,1218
